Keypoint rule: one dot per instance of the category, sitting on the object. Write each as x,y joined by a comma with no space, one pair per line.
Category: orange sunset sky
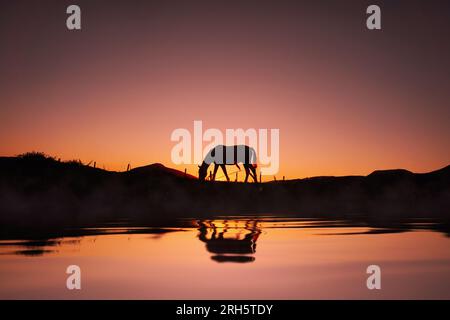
346,100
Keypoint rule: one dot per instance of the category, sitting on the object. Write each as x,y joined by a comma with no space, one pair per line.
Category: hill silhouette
39,191
158,169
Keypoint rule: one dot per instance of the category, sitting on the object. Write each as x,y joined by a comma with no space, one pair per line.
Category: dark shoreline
41,192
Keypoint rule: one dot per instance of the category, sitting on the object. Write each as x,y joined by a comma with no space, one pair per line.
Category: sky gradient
346,100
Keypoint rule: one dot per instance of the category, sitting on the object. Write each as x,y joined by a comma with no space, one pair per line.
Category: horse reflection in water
230,240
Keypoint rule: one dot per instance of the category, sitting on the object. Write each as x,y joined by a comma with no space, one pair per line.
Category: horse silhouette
230,241
222,155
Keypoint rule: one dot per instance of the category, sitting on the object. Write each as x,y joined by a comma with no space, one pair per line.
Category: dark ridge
160,169
41,192
391,172
443,171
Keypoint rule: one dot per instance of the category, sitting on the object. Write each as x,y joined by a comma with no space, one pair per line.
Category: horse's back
233,154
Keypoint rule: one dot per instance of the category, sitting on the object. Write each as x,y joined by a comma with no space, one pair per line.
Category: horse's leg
225,172
253,169
246,172
216,167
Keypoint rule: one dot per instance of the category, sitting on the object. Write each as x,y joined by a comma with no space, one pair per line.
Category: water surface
232,258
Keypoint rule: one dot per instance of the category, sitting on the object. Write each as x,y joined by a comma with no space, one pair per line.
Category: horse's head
202,171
